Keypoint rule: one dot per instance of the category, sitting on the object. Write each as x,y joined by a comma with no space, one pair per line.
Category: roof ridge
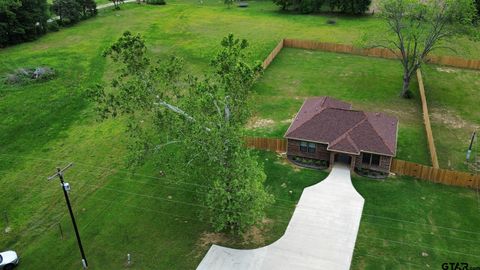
352,142
346,133
307,120
323,101
381,137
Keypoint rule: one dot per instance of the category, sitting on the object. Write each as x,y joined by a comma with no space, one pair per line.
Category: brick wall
321,153
383,167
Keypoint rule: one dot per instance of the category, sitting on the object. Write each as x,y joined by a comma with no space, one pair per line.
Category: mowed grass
412,224
369,84
45,125
154,218
453,96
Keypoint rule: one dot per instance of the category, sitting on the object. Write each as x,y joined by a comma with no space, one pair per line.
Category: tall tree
22,20
418,27
116,3
69,11
89,8
204,117
354,6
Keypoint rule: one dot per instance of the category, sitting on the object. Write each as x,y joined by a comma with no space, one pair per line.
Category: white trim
341,152
298,139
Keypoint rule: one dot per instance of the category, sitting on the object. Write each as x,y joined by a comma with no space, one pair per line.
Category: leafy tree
89,8
309,6
116,3
353,6
477,5
229,3
284,4
203,117
69,11
22,20
419,27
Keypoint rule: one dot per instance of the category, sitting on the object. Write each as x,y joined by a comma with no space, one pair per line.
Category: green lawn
403,218
453,96
45,125
370,84
154,218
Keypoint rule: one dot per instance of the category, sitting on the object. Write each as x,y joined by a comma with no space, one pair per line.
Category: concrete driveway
320,235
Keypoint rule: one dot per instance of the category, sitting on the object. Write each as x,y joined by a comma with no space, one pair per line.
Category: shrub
156,2
53,26
331,21
309,6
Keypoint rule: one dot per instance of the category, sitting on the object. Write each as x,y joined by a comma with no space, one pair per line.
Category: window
371,159
312,147
303,146
375,160
366,158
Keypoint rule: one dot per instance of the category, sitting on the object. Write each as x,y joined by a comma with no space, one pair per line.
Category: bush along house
326,131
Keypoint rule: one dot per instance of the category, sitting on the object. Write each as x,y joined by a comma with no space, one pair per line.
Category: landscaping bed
310,163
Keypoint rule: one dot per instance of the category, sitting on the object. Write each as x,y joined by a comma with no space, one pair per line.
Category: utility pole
65,188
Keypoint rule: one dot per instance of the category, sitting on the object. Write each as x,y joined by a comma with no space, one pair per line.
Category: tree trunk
406,86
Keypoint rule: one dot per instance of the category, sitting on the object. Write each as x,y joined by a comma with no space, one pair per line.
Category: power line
138,174
369,237
174,182
420,246
415,231
399,262
421,224
277,206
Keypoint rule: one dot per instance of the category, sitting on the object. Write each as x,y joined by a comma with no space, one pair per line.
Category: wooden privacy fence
272,144
272,55
400,167
426,121
437,175
377,52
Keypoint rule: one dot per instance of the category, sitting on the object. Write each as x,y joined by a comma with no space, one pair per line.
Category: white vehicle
8,260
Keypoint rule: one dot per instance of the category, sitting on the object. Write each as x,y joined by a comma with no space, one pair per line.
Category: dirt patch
256,122
450,119
346,74
206,240
282,160
254,237
256,234
447,70
430,220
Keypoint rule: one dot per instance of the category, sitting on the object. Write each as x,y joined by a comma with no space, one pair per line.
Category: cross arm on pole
59,172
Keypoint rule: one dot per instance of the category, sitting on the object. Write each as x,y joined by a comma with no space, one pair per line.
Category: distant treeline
26,20
310,6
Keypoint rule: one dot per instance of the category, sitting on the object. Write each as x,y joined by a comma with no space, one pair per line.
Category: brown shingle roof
329,121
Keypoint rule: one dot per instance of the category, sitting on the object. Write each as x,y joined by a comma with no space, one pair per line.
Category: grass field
45,125
154,218
410,224
453,96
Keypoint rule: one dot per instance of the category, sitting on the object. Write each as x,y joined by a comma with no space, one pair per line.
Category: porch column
332,159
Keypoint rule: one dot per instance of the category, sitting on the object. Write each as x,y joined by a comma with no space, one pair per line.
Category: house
326,130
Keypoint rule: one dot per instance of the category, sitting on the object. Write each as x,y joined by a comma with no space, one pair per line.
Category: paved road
320,235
